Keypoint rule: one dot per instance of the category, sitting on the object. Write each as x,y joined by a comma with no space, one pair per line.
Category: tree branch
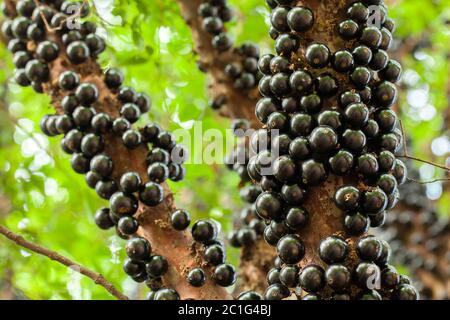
239,104
53,255
174,245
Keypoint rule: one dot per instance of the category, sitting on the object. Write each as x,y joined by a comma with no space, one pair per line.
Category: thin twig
425,161
96,277
429,181
407,156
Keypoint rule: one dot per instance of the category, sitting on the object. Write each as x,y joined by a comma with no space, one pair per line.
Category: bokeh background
43,199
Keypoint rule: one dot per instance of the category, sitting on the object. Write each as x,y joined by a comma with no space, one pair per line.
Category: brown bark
326,218
173,245
436,283
256,260
239,104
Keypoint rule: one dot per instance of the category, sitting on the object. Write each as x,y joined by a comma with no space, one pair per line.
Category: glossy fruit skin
338,277
158,172
343,61
122,204
278,19
156,266
128,225
214,254
102,165
371,37
368,248
268,205
196,277
87,93
79,163
354,140
68,80
300,19
311,103
286,44
131,112
180,220
400,172
367,165
347,198
331,119
91,145
358,12
203,231
151,194
374,201
389,277
387,183
138,249
348,29
361,77
326,85
313,173
289,275
323,140
224,275
385,94
102,219
392,72
113,78
300,81
333,250
133,268
299,149
290,249
379,61
166,294
365,274
293,194
342,162
37,71
312,278
78,52
47,51
250,295
82,117
406,292
105,189
285,169
356,224
276,292
318,55
362,55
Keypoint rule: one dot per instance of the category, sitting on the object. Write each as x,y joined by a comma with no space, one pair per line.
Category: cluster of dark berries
357,136
248,226
205,232
370,277
244,71
332,115
85,130
237,159
30,26
416,226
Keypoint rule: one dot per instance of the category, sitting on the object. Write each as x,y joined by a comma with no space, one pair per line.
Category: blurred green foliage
150,42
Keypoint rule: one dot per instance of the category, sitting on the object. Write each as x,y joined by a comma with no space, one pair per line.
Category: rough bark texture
175,246
256,260
326,218
238,103
436,282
